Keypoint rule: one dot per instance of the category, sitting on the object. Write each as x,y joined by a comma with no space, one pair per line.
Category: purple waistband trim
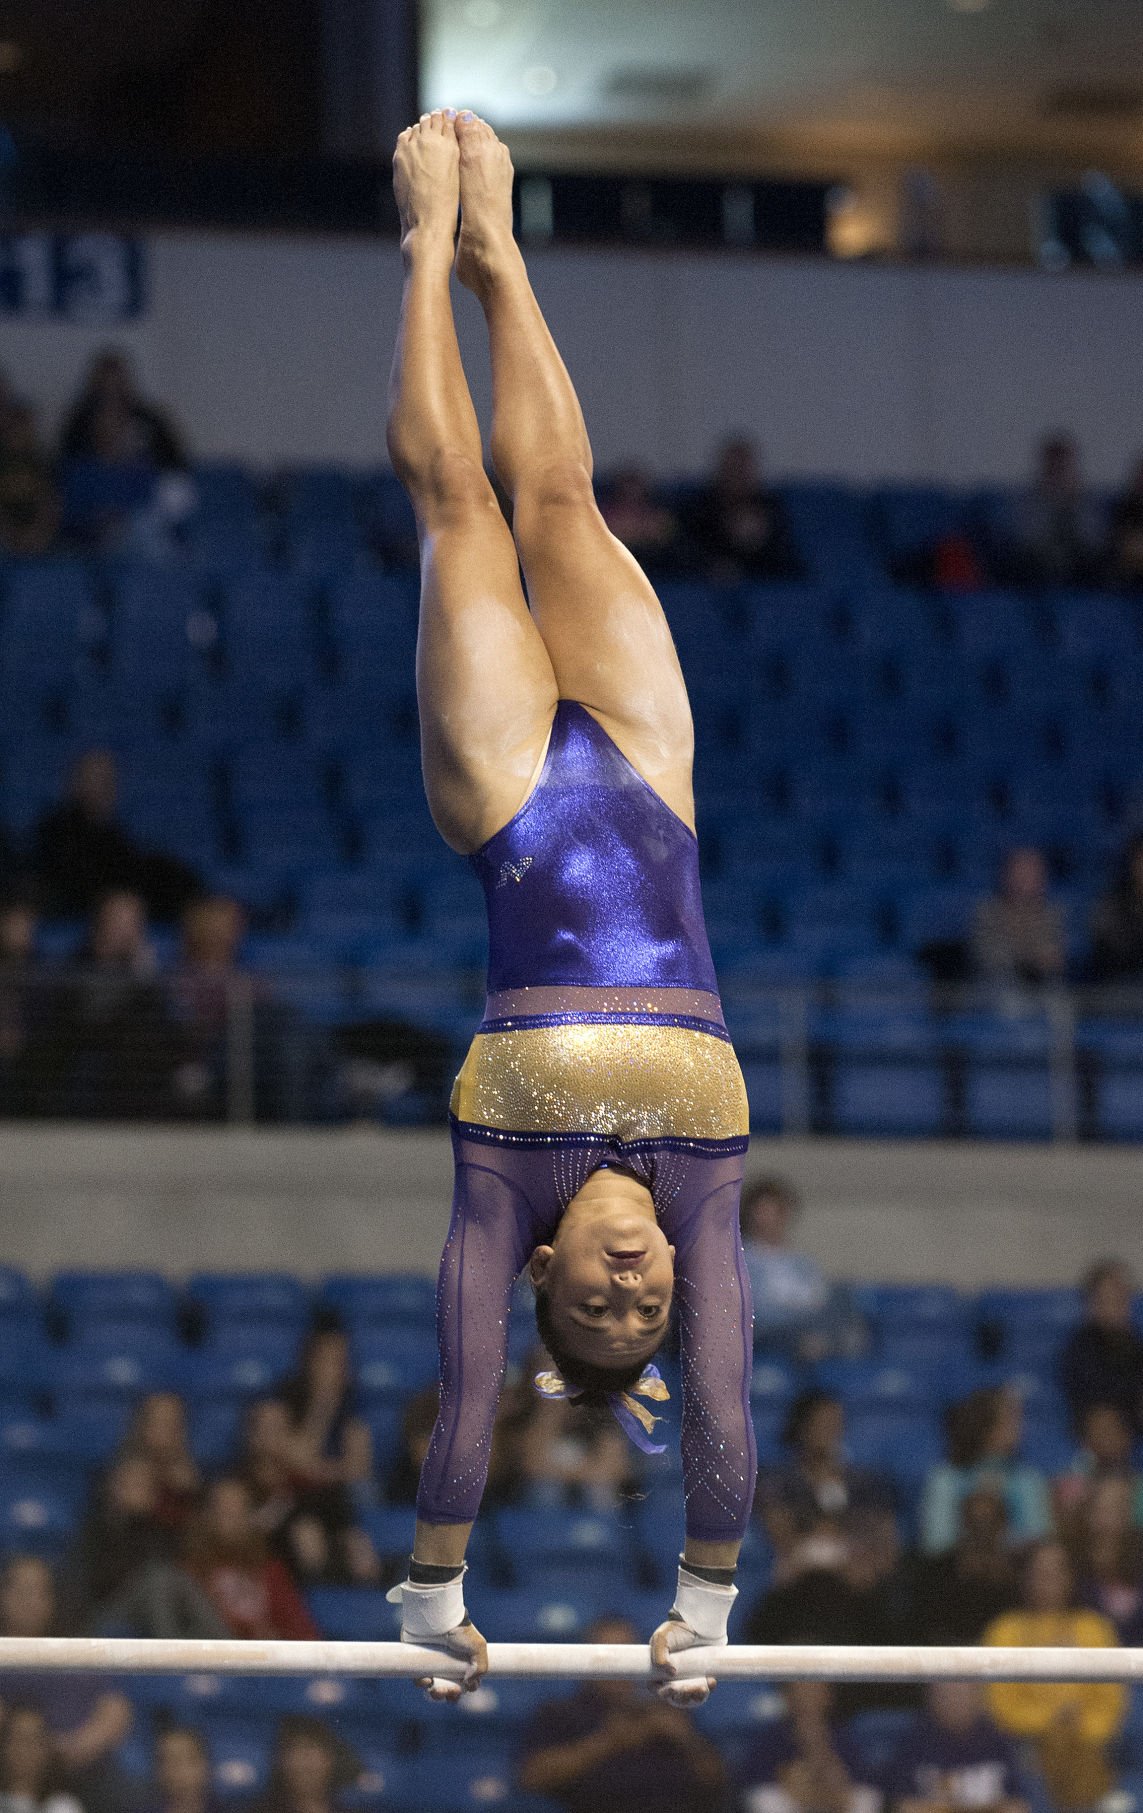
497,1136
522,1022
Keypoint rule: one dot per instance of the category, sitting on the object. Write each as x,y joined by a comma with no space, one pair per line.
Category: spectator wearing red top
249,1588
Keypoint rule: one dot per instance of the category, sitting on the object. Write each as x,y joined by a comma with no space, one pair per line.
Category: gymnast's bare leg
598,614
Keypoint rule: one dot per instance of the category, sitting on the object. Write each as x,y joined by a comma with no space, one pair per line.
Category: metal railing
382,1042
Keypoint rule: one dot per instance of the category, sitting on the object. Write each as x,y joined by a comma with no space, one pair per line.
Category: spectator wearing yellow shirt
1068,1725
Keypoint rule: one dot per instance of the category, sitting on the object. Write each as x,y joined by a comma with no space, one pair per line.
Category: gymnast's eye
650,1312
594,1309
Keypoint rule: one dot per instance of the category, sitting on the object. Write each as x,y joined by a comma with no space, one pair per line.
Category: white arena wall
275,349
366,1200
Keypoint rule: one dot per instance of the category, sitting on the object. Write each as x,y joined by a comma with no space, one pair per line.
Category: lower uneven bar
565,1661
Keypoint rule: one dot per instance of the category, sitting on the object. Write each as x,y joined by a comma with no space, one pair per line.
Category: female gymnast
599,1121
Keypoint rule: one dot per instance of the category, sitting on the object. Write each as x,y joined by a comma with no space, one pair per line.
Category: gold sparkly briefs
615,1078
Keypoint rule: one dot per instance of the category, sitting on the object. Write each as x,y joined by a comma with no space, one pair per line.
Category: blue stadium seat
1009,1104
35,1520
215,1429
904,1097
233,1375
226,492
910,519
533,1615
393,1362
462,1784
872,1384
764,1089
545,1540
901,1443
263,1297
240,1757
386,1299
878,1735
354,1614
127,1361
121,1297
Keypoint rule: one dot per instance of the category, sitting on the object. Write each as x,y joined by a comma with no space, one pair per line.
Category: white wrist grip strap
702,1607
429,1611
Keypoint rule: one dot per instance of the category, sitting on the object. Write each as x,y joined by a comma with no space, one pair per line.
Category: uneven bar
565,1661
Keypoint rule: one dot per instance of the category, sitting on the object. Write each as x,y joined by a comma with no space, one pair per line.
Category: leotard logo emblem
513,871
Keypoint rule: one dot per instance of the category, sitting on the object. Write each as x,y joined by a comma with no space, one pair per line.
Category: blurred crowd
990,1548
117,480
134,1017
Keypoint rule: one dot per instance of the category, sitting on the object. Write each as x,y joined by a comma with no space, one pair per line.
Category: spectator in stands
805,1761
249,1588
182,1773
955,1760
1056,534
958,1592
796,1310
983,1432
116,499
287,1054
32,1774
1102,1362
811,1502
81,851
1069,1725
122,1573
829,1591
159,1433
311,1769
564,1457
642,523
88,1720
738,526
329,1443
22,1020
29,500
1106,1452
1018,936
1117,924
1127,533
114,1035
611,1748
110,379
309,1524
1106,1548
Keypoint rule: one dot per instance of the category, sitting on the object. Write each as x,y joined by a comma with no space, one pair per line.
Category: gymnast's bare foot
486,241
426,181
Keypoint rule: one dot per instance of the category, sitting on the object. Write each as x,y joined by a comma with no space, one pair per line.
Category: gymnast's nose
627,1278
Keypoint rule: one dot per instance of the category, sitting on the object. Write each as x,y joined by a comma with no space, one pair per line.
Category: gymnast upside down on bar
599,1122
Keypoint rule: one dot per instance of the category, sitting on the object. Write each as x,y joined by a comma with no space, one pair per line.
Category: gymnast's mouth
628,1258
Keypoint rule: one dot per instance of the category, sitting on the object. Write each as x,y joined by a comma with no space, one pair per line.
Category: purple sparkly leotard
603,1042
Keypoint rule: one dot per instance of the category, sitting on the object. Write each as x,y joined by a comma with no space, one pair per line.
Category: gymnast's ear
538,1265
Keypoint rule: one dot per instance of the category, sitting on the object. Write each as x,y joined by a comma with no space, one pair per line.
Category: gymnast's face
609,1272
